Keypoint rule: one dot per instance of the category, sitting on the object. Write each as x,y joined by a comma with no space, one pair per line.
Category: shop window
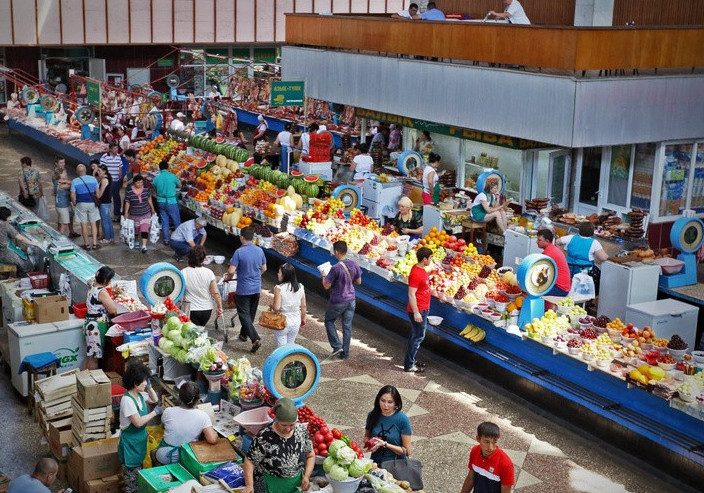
619,172
697,200
643,171
591,175
673,196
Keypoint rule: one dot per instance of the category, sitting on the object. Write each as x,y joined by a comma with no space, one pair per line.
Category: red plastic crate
80,310
39,280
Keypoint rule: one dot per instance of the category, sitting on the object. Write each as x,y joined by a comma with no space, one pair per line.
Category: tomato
353,445
323,446
324,430
336,433
328,437
324,453
318,437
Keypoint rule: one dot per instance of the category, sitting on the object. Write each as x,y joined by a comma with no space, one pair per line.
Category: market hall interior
445,404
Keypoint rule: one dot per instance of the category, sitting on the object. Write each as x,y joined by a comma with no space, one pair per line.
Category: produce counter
49,141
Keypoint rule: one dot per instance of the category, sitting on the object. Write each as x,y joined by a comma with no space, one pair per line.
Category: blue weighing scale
161,280
536,275
491,174
291,371
408,161
350,195
687,236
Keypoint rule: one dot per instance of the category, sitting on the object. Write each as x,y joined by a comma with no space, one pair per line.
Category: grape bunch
589,333
602,321
366,248
473,284
575,342
447,260
375,241
676,343
461,293
388,229
484,273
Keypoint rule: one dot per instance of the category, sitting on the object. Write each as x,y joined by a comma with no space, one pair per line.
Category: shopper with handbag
31,191
83,199
249,262
341,304
290,301
387,434
139,208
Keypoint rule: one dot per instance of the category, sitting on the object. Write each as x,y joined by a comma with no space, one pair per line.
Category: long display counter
49,141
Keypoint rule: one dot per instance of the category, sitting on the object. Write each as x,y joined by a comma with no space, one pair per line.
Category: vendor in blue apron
134,416
582,249
282,453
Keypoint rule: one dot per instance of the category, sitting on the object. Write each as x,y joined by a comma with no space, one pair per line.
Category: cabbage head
345,456
328,463
338,473
173,323
165,344
335,446
358,468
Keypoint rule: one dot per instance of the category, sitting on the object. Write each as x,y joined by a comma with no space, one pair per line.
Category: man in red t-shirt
418,307
563,281
490,469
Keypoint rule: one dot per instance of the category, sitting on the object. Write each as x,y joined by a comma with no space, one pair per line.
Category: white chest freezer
623,285
381,198
64,339
517,246
668,317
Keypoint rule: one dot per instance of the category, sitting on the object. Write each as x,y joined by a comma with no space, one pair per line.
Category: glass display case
679,183
479,157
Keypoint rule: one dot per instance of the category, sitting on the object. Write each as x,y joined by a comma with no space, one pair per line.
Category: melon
220,140
298,200
311,179
290,191
221,161
280,193
297,174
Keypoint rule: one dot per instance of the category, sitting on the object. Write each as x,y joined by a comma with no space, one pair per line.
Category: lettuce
328,463
338,473
173,323
335,446
357,468
345,455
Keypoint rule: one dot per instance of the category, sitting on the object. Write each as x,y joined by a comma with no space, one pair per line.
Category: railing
561,48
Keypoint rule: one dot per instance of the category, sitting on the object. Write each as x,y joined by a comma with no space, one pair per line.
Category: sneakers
177,258
342,356
336,352
420,365
414,369
144,249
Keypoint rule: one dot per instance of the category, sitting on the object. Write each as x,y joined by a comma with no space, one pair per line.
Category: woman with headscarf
260,131
100,307
10,252
281,454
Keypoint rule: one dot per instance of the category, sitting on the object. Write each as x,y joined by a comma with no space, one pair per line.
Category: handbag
29,200
405,469
271,320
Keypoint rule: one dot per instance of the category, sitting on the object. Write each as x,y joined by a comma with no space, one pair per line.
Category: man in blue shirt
249,262
188,235
167,185
43,476
432,13
83,190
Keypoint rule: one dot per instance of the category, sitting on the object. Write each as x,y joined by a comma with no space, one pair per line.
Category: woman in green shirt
408,221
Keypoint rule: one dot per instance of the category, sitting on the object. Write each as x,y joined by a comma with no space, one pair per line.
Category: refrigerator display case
381,198
667,317
626,284
517,246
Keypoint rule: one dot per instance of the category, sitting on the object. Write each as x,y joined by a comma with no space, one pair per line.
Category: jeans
247,309
414,339
283,159
182,248
116,200
346,311
166,212
106,222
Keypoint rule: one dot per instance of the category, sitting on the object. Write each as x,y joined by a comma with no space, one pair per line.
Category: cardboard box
111,484
93,460
162,478
60,440
51,309
94,389
62,474
115,378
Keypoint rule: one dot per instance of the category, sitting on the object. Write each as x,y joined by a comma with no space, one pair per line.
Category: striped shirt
139,204
114,164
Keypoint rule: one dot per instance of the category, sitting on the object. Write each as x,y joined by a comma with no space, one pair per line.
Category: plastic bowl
666,366
500,306
669,265
434,320
349,485
678,354
253,420
219,259
208,260
698,356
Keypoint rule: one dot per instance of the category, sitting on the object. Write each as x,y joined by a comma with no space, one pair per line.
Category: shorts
86,212
64,215
142,223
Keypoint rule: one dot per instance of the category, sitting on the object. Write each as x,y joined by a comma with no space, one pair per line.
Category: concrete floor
445,404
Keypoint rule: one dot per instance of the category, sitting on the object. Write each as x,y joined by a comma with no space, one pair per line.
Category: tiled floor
445,404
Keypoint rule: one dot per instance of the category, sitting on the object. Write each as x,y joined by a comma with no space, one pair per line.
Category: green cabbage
345,455
165,344
181,356
328,463
338,473
335,446
173,323
358,468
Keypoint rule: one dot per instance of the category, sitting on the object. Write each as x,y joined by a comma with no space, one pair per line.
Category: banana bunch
473,333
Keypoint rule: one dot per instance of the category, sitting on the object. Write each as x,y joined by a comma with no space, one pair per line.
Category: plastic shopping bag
127,231
154,229
582,286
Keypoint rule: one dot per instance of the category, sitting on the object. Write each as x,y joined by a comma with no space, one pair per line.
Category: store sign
93,93
68,356
287,93
459,132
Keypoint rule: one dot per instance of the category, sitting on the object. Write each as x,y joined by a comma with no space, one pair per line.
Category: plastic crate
189,461
39,280
80,310
134,320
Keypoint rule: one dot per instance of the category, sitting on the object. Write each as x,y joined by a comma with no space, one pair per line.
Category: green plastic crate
162,478
189,460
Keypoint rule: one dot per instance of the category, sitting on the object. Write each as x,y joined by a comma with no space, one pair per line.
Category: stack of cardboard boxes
92,407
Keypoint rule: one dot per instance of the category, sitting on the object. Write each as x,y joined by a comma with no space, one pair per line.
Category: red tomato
324,453
360,455
324,430
318,438
336,433
322,447
353,445
329,437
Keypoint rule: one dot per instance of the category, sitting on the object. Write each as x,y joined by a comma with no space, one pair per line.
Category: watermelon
210,158
298,183
311,189
281,193
297,174
242,154
311,179
220,140
200,164
247,162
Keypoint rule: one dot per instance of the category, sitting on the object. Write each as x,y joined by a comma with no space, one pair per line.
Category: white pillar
594,13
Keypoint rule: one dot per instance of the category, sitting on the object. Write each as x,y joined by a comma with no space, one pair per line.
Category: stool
473,226
44,364
8,271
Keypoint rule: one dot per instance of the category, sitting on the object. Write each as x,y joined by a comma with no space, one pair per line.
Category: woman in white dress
290,300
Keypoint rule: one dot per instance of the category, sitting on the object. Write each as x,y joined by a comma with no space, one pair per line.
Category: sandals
95,247
255,347
242,337
74,235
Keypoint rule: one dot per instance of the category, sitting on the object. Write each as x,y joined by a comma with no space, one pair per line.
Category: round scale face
348,195
30,95
84,115
162,280
291,371
173,80
493,176
49,102
537,274
687,234
408,161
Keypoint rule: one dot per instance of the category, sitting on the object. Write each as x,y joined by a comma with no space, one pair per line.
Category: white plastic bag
127,231
582,286
154,229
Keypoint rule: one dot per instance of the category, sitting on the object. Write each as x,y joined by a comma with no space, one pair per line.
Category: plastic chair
35,365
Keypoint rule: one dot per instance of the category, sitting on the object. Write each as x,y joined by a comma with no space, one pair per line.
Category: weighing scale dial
161,280
536,276
349,195
491,175
408,161
291,371
687,234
